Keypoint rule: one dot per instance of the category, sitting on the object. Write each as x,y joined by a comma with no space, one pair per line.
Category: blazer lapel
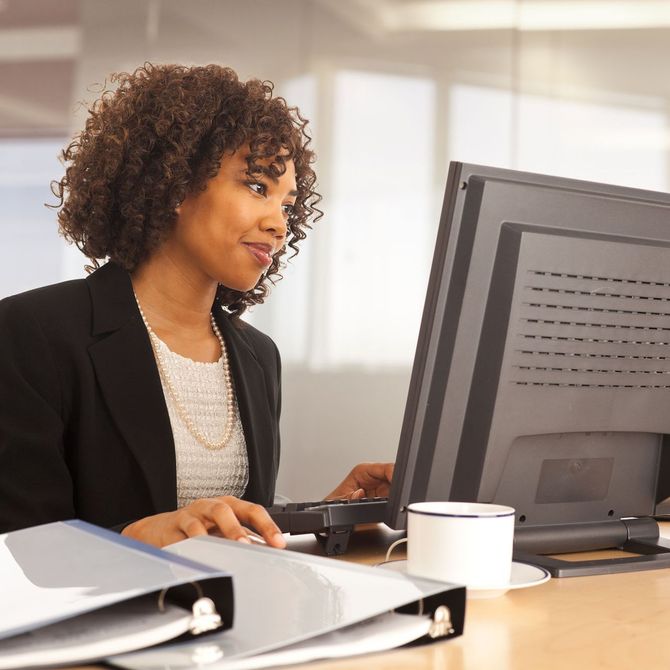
252,398
126,371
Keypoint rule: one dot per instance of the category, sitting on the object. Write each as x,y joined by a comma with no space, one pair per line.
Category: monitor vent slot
587,277
587,331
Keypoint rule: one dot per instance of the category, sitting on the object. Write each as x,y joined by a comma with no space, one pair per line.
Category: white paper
116,629
387,631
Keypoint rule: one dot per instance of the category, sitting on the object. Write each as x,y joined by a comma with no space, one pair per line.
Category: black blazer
84,429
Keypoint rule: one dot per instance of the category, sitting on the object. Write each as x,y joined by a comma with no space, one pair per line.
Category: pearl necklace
181,408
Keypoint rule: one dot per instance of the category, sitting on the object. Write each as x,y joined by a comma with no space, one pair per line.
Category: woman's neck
177,306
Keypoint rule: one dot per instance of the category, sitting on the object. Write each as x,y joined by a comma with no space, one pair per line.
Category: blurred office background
395,89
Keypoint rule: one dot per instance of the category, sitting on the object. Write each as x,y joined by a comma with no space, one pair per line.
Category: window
380,219
612,143
31,252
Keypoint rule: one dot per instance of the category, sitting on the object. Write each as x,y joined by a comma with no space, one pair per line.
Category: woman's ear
179,205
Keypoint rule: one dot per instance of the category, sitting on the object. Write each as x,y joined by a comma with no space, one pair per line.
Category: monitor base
652,552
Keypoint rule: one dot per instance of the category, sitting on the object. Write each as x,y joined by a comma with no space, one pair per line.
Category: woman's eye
288,209
257,187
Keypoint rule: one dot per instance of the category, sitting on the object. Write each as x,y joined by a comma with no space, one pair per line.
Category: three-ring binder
65,584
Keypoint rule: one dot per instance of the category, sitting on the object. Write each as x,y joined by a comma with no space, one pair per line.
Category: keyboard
332,521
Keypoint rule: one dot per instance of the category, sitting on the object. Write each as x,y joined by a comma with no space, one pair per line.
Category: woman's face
230,231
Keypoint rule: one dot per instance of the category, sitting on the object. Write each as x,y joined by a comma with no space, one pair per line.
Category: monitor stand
636,536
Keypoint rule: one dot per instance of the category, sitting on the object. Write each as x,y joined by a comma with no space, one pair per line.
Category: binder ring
163,593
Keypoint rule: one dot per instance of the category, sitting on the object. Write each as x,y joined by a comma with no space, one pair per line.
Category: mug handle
392,547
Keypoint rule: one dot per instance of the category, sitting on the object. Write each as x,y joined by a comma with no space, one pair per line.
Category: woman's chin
242,287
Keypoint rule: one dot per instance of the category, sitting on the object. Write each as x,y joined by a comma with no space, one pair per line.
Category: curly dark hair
158,136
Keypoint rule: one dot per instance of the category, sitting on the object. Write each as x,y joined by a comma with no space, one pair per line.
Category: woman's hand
223,516
366,480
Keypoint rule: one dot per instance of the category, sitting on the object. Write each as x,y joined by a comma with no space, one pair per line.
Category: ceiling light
457,15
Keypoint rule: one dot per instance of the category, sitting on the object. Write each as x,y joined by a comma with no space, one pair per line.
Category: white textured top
202,472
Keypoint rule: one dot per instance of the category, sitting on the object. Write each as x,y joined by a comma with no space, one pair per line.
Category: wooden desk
609,621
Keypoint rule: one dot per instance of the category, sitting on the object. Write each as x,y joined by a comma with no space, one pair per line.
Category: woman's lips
261,252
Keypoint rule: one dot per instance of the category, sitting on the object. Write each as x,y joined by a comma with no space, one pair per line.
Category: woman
136,398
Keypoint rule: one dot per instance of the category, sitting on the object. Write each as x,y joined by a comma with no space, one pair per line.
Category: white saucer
523,575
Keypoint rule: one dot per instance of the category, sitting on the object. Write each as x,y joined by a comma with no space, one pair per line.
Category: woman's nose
275,222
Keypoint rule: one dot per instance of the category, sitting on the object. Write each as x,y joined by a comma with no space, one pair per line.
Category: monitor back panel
542,373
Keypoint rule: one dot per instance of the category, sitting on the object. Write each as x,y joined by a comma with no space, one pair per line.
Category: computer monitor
542,372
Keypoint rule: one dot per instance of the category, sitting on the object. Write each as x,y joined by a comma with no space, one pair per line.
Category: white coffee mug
461,542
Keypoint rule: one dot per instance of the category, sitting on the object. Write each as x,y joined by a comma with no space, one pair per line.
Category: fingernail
244,539
278,539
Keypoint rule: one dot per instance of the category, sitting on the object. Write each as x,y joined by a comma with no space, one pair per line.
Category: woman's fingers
370,475
373,478
191,525
225,514
229,513
258,518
